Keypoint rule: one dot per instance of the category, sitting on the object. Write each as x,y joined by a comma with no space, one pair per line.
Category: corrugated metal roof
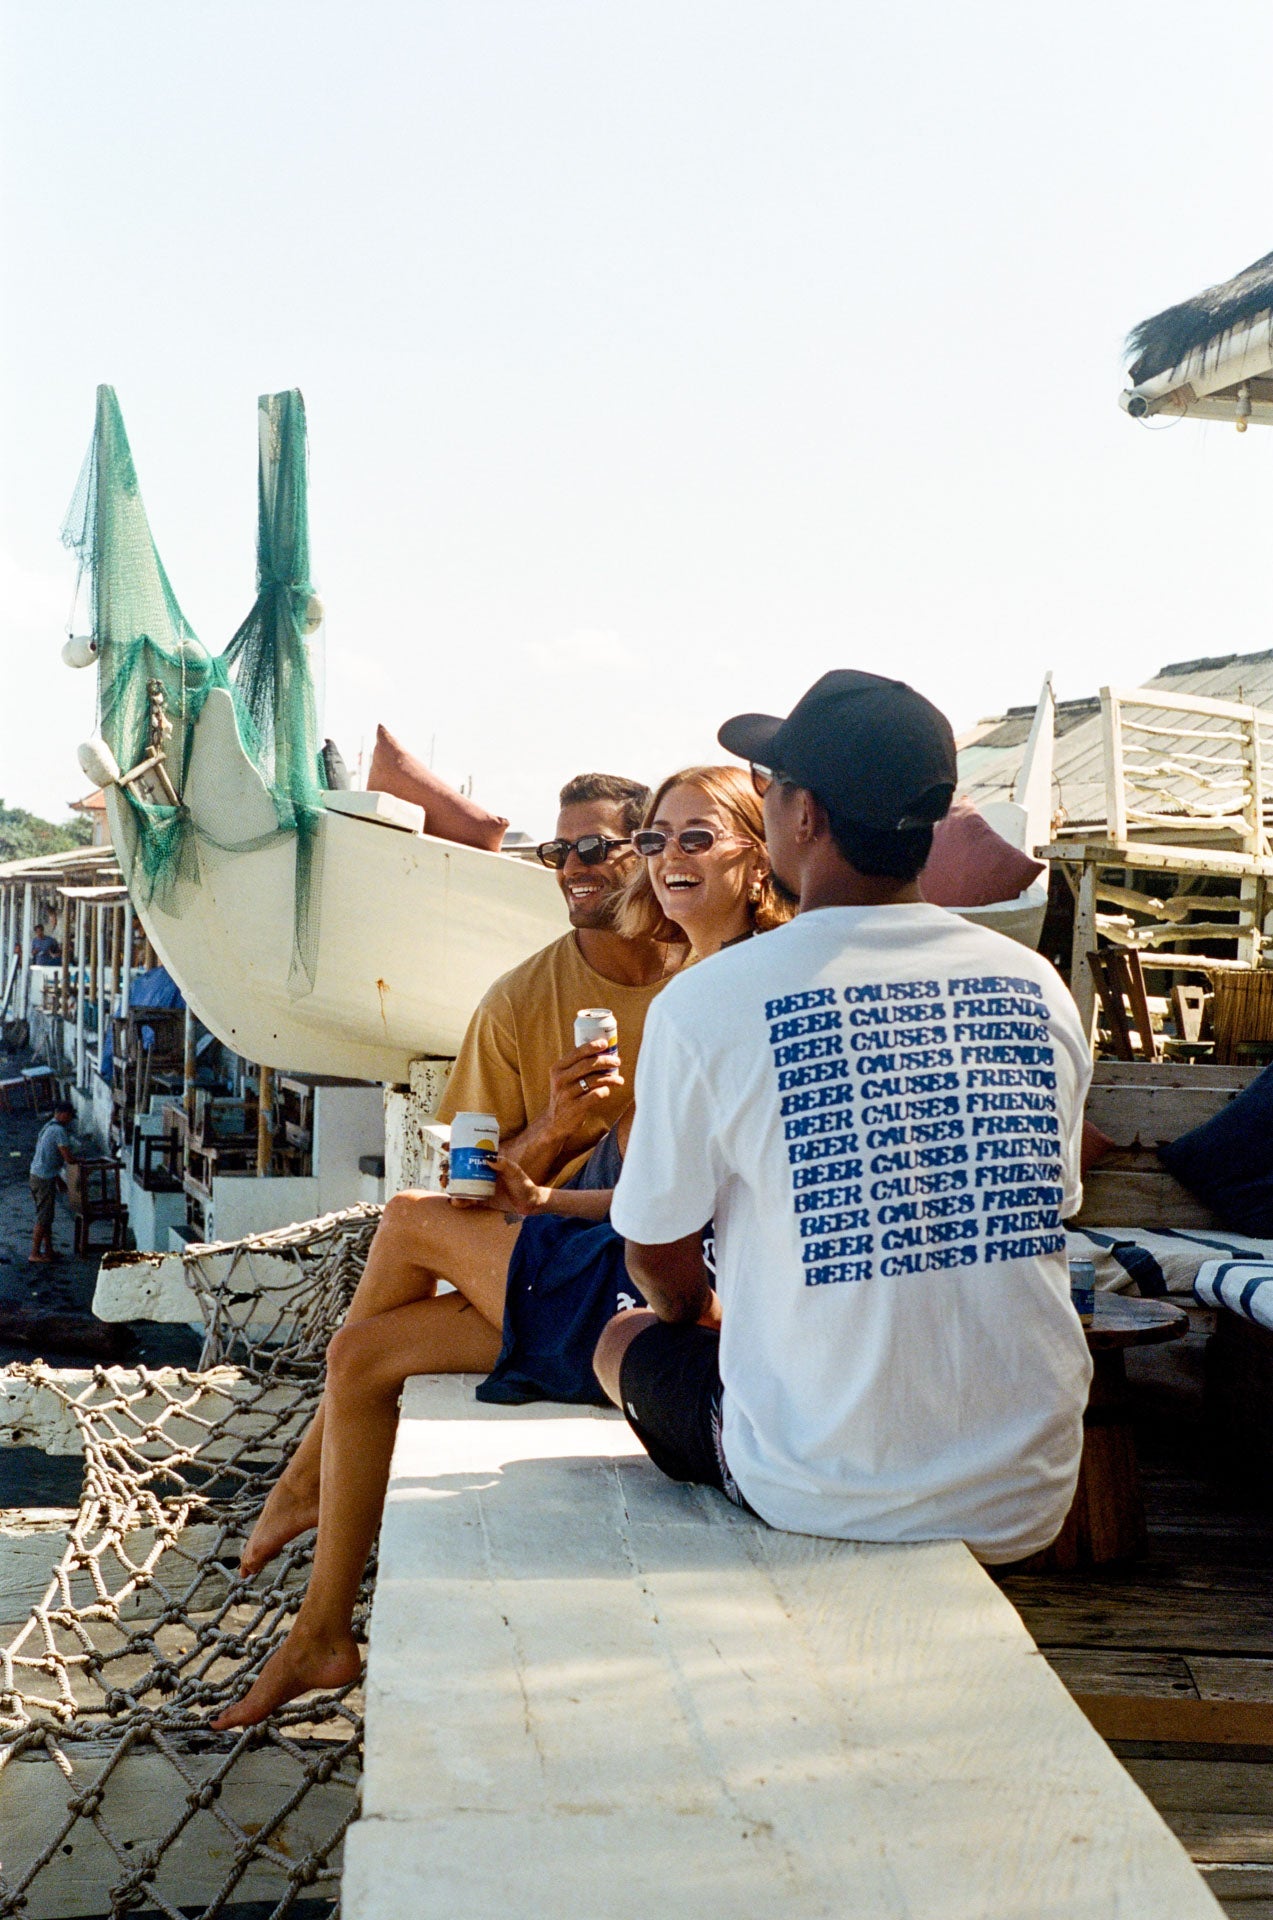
991,759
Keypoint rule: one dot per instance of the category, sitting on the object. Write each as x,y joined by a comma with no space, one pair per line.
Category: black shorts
672,1396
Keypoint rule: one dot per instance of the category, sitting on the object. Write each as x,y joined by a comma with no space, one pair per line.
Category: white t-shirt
881,1108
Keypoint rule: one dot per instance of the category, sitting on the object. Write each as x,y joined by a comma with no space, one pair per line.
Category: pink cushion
973,866
1096,1146
448,814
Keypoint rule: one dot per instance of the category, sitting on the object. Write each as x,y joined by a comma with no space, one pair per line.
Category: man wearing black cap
879,1106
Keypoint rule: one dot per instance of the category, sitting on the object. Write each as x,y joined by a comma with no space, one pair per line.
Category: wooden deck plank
1111,1670
1169,1612
1235,1679
1142,1716
591,1692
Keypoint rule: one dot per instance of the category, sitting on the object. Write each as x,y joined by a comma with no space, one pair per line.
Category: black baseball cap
873,751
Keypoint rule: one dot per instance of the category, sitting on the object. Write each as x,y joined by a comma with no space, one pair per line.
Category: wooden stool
1107,1519
15,1096
92,1192
43,1088
1120,983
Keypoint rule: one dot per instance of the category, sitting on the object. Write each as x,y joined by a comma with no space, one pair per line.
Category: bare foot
287,1512
300,1665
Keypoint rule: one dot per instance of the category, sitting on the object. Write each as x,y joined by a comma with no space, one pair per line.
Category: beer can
1083,1289
596,1023
474,1145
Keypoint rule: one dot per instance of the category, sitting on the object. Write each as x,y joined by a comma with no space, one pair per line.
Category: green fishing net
147,648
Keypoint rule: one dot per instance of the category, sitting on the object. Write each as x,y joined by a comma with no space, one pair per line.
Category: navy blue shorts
672,1396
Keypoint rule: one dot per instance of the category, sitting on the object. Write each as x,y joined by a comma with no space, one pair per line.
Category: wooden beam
1082,985
1147,1716
1154,856
264,1121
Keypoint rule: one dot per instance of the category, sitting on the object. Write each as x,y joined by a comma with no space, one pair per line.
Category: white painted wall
348,1123
242,1204
412,1143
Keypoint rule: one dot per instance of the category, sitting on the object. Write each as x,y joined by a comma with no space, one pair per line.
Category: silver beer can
474,1145
596,1023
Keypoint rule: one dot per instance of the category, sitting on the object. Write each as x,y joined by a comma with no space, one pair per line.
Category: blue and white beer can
474,1145
1083,1289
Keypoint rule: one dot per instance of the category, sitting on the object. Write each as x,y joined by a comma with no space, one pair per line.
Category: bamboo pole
188,1071
99,916
117,922
126,997
66,969
264,1118
28,934
79,993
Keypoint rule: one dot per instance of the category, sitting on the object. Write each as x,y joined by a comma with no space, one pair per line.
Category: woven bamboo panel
1243,1011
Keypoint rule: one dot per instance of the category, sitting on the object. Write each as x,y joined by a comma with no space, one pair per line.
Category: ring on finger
583,1081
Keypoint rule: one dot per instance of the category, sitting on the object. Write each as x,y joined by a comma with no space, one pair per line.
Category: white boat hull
1021,919
412,930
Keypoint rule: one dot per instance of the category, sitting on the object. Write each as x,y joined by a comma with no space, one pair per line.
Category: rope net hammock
117,1798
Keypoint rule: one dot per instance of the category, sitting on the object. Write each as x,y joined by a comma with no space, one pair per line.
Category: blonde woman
547,1283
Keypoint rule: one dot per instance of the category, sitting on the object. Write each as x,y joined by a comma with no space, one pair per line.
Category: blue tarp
154,987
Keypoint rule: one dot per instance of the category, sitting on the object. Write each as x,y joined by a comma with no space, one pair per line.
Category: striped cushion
1167,1260
1244,1286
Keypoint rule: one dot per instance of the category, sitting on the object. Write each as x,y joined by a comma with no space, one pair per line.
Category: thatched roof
1165,340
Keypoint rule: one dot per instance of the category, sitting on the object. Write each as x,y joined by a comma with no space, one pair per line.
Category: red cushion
973,866
448,814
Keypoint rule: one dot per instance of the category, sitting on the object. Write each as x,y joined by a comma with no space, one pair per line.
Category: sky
658,355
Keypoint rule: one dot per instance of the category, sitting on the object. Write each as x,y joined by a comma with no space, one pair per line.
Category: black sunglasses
592,849
652,840
762,778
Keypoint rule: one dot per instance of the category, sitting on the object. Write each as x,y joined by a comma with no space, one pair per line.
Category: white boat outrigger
404,931
1025,822
412,929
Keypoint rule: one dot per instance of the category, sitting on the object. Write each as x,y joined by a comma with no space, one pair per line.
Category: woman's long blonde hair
640,915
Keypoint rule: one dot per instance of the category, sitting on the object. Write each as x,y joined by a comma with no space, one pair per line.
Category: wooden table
1107,1519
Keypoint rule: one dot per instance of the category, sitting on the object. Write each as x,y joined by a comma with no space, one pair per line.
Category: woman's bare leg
421,1239
366,1366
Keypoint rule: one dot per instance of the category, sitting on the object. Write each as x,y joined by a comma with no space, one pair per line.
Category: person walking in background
45,949
52,1153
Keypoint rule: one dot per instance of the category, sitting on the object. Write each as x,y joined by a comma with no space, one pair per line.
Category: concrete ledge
592,1692
35,1409
155,1286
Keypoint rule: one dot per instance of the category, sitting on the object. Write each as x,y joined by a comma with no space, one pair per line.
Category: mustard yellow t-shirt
524,1025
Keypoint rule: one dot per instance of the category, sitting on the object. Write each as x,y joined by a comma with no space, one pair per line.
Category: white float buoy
98,763
80,650
314,611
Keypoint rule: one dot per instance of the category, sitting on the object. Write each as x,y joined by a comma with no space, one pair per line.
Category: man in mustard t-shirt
518,1060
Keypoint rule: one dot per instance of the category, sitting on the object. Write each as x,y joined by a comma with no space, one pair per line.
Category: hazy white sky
658,355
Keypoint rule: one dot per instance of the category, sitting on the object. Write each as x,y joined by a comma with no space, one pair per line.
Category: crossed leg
421,1239
366,1366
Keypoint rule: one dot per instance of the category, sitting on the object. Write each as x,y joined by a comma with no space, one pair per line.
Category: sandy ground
29,1478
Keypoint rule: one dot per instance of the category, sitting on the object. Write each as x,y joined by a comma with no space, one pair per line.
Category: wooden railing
1186,764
